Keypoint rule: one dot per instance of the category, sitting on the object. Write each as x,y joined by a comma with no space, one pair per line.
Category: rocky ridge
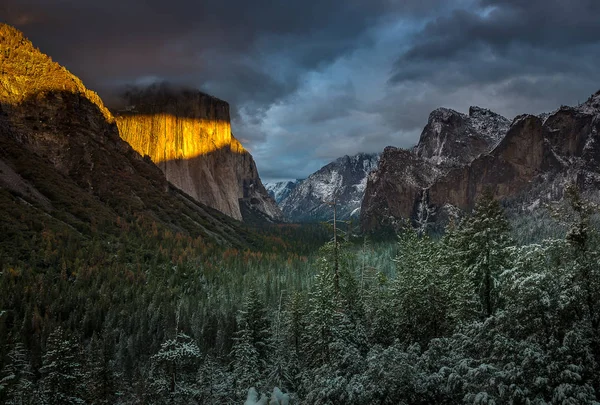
64,165
432,181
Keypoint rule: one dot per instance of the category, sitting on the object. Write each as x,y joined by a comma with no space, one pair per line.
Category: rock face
62,159
530,161
344,179
281,189
451,138
187,134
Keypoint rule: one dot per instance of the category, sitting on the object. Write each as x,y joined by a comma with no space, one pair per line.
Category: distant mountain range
343,180
281,189
524,162
169,155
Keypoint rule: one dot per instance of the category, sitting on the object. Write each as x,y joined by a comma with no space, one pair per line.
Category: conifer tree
479,245
252,345
61,371
420,292
215,384
173,371
16,377
247,370
99,378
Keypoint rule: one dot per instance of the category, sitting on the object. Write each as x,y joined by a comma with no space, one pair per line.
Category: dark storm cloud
500,38
125,39
313,80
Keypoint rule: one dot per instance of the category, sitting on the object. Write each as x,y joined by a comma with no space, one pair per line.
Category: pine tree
215,384
99,378
173,371
252,345
420,292
584,242
61,371
247,368
16,377
479,247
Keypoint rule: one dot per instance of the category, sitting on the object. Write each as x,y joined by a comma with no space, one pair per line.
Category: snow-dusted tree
252,345
247,367
215,384
173,371
391,374
99,374
16,377
320,317
479,247
583,258
421,291
61,371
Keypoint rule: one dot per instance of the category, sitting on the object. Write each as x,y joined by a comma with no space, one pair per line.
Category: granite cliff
187,134
63,164
528,161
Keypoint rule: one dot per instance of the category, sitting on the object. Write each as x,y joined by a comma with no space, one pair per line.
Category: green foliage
173,370
470,318
61,371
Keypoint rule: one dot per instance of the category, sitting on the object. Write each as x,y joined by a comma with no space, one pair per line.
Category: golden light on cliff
167,137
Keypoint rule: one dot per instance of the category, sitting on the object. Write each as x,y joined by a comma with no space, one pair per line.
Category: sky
309,81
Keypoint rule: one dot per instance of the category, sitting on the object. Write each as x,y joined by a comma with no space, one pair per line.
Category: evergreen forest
474,315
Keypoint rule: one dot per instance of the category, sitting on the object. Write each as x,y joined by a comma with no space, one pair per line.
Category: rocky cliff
344,180
531,160
64,165
187,134
279,190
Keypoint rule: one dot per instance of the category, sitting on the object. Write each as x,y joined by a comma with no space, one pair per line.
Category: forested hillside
472,317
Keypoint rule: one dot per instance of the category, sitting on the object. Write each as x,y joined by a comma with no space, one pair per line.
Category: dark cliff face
343,180
62,159
386,199
451,138
533,153
188,135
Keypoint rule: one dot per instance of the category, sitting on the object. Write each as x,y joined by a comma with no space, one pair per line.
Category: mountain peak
344,179
451,138
27,72
591,105
444,115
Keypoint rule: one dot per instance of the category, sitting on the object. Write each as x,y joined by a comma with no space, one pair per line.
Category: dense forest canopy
469,317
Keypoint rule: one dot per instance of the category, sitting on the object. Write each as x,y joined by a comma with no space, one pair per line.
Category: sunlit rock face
187,134
525,164
64,167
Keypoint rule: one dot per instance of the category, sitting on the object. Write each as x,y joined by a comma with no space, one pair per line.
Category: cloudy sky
309,81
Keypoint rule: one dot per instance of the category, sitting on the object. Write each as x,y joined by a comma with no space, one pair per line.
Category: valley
143,260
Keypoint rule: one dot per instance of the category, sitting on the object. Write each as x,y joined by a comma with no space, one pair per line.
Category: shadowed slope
62,158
